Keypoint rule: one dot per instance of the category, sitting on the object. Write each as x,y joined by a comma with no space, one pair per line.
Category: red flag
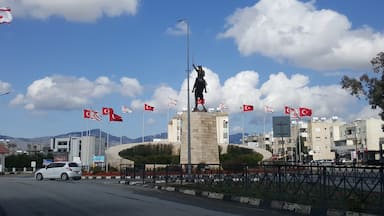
287,110
247,108
148,108
305,111
87,113
115,117
105,110
200,101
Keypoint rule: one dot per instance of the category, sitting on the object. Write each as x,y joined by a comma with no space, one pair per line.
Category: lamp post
189,105
2,159
188,101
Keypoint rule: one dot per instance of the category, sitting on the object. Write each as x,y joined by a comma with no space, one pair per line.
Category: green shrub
237,158
151,154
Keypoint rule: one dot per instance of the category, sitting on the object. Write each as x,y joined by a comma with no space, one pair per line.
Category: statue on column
198,88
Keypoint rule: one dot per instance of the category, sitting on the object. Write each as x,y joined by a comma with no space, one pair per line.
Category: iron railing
358,188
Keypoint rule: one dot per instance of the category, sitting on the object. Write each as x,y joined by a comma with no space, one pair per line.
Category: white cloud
245,88
130,87
279,90
366,113
298,32
73,10
66,93
180,28
160,99
4,87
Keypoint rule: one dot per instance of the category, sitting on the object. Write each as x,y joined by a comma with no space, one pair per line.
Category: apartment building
320,133
359,140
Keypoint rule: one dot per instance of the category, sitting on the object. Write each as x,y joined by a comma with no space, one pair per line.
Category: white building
87,148
320,133
360,140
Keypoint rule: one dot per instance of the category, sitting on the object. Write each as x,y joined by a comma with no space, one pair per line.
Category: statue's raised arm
194,66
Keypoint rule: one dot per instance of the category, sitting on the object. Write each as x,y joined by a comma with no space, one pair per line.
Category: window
73,165
225,124
348,132
62,143
59,164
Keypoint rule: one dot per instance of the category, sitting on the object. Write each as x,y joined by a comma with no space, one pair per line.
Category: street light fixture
188,104
188,101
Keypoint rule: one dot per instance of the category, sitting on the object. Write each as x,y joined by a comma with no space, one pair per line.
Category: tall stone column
204,146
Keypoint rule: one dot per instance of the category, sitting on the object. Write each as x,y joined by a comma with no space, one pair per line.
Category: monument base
203,147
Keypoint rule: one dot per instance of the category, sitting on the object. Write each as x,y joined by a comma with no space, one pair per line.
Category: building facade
83,149
320,137
359,140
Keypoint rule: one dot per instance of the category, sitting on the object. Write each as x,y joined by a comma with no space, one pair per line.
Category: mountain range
22,143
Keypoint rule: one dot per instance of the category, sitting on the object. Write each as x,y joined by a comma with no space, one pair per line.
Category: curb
260,203
100,177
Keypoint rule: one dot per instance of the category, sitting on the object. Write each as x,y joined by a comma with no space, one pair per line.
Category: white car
59,170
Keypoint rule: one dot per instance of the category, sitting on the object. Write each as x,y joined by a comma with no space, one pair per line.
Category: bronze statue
198,88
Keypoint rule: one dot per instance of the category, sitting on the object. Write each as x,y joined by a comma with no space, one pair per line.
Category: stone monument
203,146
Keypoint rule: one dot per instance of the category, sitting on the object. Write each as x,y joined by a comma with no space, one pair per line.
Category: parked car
63,170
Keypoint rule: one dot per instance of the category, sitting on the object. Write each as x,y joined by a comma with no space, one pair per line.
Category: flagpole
243,129
121,134
142,132
106,159
100,140
299,139
265,113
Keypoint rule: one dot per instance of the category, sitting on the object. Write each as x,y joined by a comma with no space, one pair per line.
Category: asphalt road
26,196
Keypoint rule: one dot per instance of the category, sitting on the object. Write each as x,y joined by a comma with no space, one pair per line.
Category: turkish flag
87,113
247,108
200,101
148,108
287,110
305,111
106,110
115,117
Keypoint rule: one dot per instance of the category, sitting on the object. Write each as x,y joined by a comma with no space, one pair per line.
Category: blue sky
60,58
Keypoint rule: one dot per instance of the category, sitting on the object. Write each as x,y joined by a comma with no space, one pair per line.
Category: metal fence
358,188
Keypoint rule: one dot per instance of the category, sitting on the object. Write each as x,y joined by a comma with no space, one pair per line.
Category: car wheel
39,177
64,177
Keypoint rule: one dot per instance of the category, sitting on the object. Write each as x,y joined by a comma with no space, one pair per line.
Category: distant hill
114,140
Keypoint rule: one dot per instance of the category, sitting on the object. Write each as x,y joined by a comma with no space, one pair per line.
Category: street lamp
188,101
2,160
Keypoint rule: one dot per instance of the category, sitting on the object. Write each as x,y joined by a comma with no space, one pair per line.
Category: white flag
5,15
125,109
172,101
268,109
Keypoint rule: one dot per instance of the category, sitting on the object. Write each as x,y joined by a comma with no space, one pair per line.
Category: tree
372,88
